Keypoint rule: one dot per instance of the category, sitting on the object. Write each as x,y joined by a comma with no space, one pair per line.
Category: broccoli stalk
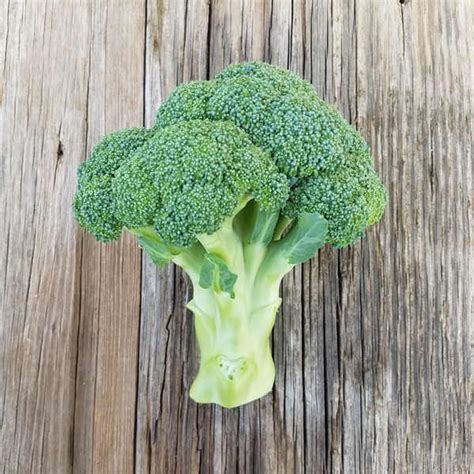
236,274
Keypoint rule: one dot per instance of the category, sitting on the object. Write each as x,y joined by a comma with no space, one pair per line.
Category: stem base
236,361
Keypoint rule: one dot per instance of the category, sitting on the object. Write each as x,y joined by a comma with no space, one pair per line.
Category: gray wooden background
372,342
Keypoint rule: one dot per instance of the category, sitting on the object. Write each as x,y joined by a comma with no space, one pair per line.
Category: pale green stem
282,224
225,243
236,364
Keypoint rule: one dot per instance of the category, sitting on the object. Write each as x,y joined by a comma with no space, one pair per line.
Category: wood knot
60,150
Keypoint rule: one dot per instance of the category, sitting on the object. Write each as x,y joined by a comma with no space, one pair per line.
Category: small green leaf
206,277
264,227
216,274
306,236
159,252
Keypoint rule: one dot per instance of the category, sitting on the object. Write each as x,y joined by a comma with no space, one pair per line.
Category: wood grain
70,307
371,343
106,381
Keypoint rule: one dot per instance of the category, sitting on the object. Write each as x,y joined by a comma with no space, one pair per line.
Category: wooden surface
372,342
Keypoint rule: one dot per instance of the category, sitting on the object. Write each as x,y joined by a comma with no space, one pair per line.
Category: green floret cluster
188,102
187,179
349,197
241,178
184,181
278,119
94,203
283,79
307,139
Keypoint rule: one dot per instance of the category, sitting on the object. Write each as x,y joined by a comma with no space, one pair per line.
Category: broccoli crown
254,129
326,162
184,181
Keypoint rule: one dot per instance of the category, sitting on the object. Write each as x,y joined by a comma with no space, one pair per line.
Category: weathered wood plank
41,146
106,380
418,119
70,307
371,343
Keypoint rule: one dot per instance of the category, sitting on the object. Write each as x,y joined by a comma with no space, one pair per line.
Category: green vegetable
242,178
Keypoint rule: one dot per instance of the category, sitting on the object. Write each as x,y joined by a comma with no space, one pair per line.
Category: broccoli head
241,178
307,139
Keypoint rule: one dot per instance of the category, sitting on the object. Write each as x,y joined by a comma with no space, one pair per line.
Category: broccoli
241,178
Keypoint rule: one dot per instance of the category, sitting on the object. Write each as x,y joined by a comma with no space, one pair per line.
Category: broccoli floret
188,102
286,81
242,178
93,203
190,177
349,198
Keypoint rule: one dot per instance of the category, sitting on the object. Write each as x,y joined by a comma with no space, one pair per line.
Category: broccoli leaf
159,252
216,274
306,236
264,227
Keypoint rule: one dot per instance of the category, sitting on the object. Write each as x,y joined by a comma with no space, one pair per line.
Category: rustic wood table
372,342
